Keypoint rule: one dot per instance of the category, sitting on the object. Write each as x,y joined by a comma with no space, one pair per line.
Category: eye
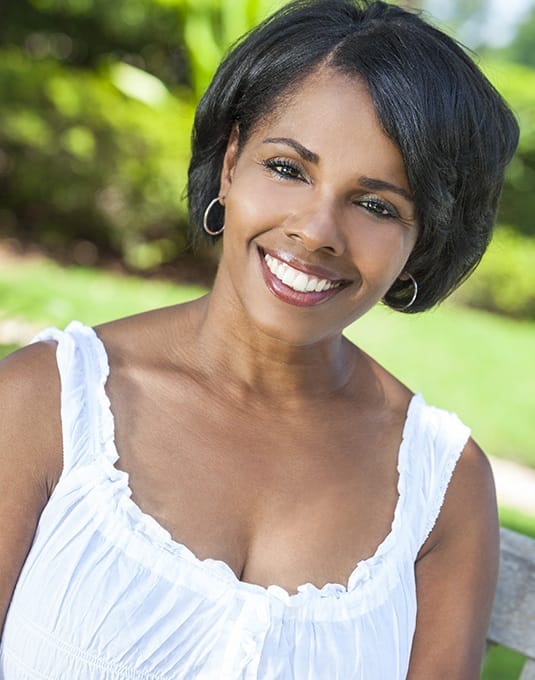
284,168
378,207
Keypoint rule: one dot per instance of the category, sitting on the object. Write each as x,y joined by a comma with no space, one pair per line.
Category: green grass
6,349
474,363
471,362
502,664
45,292
517,521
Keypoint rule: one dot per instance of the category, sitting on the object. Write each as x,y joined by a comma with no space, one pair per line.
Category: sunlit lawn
470,362
476,364
44,292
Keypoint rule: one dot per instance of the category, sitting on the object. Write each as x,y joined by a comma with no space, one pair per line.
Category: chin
292,332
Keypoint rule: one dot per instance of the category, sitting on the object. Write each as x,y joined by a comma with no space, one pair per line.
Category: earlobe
229,162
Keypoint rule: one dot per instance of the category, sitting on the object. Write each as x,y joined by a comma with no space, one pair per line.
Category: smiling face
319,220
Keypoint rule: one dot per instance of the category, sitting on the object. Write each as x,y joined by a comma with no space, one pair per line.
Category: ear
229,162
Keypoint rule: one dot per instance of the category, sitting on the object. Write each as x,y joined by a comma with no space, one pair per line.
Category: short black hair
455,132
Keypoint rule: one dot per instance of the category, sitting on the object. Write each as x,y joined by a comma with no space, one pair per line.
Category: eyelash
284,169
378,208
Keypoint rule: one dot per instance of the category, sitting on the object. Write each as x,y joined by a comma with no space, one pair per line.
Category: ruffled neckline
364,570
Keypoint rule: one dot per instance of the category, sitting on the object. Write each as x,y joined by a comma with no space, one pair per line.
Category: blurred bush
504,282
84,163
96,107
517,85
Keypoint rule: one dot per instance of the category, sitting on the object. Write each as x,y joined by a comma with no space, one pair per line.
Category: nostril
314,239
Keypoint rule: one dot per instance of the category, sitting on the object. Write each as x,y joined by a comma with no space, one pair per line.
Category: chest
283,497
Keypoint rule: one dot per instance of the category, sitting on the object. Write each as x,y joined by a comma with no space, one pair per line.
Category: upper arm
30,454
456,576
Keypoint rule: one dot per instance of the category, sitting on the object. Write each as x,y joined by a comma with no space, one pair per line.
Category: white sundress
106,594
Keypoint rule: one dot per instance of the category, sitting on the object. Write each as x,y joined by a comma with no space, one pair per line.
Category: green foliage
505,280
83,33
96,107
517,84
522,49
179,41
83,160
502,664
518,521
464,19
211,26
7,349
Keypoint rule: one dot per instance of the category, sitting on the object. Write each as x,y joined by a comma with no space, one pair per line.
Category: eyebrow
381,185
305,153
367,182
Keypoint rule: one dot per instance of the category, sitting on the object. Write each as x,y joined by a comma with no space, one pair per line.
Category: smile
296,279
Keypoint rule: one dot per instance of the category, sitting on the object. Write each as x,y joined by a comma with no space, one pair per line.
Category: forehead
333,115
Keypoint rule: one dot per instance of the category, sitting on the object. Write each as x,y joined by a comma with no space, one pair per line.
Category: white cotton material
107,594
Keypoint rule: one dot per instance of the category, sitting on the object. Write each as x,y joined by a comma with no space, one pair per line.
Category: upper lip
310,269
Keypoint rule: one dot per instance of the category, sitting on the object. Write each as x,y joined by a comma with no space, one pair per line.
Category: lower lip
291,296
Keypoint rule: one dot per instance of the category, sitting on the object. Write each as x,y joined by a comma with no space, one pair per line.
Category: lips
296,283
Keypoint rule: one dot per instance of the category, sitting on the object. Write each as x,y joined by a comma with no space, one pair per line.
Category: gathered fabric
106,594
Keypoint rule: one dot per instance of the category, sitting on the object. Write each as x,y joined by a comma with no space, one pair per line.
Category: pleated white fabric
106,594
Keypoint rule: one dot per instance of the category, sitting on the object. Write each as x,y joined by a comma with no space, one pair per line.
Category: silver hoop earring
205,219
414,294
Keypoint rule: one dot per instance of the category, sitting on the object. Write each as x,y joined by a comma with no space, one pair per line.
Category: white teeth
289,276
311,285
298,280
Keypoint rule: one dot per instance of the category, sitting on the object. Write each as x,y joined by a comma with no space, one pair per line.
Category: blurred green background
96,105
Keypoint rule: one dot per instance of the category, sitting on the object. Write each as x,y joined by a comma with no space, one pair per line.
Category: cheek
254,206
380,249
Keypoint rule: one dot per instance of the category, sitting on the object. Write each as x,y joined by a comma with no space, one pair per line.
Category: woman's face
319,220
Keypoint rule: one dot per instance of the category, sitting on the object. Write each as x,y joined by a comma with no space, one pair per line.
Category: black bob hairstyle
455,132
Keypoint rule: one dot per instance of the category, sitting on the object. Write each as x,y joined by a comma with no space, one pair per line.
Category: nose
317,227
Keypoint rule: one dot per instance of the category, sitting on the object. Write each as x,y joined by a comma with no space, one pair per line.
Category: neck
248,361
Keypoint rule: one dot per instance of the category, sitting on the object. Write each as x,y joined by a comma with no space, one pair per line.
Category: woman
336,526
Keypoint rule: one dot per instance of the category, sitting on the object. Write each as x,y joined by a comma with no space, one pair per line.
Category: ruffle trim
455,449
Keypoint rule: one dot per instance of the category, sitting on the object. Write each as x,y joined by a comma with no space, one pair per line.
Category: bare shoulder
30,431
473,467
473,482
30,453
470,500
